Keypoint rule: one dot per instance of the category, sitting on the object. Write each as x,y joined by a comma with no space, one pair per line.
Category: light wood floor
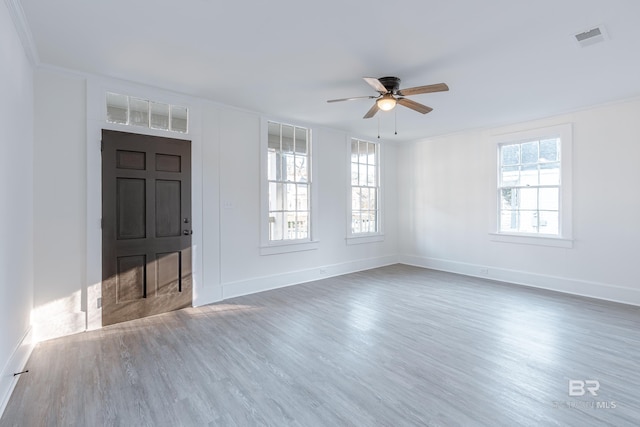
394,346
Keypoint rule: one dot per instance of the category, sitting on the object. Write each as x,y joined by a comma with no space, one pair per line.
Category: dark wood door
146,230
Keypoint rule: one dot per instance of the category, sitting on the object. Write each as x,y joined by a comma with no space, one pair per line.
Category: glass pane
530,152
528,222
508,198
281,166
549,150
355,222
364,199
290,197
117,108
371,176
287,139
289,168
276,226
354,150
301,169
508,221
355,199
363,152
354,174
549,222
369,221
511,175
139,112
373,221
529,175
373,198
275,196
549,199
550,174
273,142
303,198
528,198
290,226
272,165
301,140
179,118
159,115
371,159
362,175
302,225
510,154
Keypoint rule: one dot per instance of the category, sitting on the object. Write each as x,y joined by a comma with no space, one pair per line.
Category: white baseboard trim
266,283
603,291
16,363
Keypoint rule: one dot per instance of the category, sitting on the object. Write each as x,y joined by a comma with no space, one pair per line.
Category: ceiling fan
390,94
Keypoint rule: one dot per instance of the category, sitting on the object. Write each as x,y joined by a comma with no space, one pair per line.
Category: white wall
448,193
226,195
16,204
59,202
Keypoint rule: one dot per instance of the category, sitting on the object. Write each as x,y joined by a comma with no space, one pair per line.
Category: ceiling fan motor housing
392,84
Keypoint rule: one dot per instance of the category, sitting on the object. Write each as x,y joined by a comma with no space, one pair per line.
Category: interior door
146,230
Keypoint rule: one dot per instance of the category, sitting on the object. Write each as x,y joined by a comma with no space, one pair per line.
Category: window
534,185
289,183
530,187
128,110
365,188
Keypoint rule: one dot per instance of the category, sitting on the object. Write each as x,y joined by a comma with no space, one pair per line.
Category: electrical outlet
323,271
99,302
484,271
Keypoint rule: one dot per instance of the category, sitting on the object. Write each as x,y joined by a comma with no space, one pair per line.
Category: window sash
288,183
364,188
530,189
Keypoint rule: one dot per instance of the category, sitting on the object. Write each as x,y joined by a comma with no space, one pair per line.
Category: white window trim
362,238
565,238
268,247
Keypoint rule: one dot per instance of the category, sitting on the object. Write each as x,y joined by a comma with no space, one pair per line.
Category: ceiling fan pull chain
395,114
378,127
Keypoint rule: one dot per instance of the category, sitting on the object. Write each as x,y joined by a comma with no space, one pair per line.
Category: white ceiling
505,60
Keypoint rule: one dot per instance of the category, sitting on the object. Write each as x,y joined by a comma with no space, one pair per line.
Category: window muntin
131,111
529,187
365,188
289,182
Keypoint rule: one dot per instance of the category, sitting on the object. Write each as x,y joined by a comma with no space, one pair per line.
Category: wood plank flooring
394,346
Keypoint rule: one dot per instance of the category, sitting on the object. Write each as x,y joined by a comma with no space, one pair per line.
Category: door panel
146,235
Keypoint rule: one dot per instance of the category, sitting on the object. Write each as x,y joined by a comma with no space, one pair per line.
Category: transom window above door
128,110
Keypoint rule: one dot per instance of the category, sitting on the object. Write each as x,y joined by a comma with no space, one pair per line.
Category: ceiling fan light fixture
387,102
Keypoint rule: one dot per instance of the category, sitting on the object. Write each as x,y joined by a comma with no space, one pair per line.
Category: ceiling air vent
592,36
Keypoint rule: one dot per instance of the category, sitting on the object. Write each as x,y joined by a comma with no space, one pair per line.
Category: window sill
555,242
287,247
367,238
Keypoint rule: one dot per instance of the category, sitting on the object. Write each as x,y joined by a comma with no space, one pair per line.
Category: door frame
96,122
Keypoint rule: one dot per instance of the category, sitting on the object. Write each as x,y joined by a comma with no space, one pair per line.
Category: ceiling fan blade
439,87
376,84
416,106
372,112
352,98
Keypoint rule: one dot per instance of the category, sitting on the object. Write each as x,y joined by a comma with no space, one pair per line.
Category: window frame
565,232
271,247
365,237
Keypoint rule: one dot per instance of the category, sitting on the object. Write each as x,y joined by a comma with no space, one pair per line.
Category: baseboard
603,291
265,283
16,363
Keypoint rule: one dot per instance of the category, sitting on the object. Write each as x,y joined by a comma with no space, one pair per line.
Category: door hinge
101,145
101,223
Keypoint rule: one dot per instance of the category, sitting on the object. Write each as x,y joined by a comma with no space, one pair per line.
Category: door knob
187,232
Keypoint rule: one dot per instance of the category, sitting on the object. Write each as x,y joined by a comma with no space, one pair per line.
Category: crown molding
24,31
